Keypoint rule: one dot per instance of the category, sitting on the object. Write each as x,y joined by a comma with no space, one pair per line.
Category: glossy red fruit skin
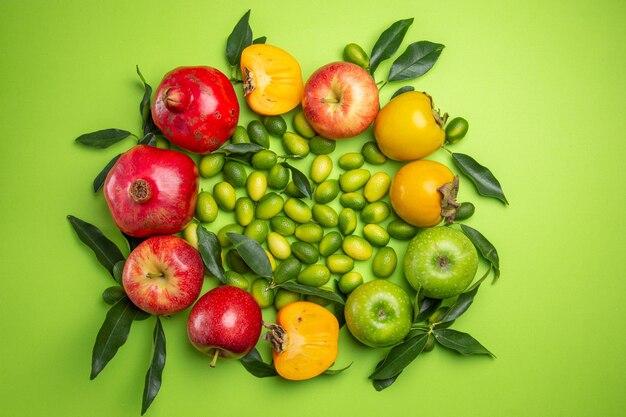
152,191
226,319
181,275
196,108
340,100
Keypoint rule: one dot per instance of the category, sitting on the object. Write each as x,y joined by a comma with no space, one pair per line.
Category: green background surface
542,84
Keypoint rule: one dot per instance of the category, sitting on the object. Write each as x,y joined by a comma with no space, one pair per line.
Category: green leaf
400,356
238,40
103,138
460,342
132,241
339,309
244,158
211,252
339,312
485,182
113,294
150,126
112,334
144,105
141,315
418,58
149,139
260,40
300,180
460,306
425,308
253,362
107,253
155,371
98,182
486,249
240,148
252,253
310,290
388,43
381,384
337,371
401,90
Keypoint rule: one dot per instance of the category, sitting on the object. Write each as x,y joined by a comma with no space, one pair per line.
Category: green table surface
542,84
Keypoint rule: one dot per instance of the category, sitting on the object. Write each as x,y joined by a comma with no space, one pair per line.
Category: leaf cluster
117,324
429,333
417,59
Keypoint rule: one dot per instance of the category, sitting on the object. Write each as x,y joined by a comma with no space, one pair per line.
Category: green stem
234,75
286,157
215,356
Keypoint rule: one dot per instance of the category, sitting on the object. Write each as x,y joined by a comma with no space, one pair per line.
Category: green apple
441,261
378,313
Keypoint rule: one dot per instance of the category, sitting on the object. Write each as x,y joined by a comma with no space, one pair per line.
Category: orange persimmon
272,79
304,340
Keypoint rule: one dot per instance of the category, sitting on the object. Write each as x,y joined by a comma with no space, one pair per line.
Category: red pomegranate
225,322
152,191
196,108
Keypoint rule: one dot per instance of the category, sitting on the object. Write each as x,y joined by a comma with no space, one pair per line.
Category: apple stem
330,100
215,356
153,275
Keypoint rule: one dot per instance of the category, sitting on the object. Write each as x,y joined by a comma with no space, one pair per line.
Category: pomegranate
163,275
196,108
152,191
225,322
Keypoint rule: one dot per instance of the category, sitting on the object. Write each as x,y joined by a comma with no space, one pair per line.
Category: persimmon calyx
449,205
440,119
276,336
248,81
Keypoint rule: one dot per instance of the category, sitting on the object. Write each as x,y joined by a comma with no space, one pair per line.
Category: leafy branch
115,329
238,40
105,138
423,339
417,59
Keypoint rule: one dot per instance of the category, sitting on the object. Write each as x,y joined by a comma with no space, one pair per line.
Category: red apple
163,275
340,100
225,322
